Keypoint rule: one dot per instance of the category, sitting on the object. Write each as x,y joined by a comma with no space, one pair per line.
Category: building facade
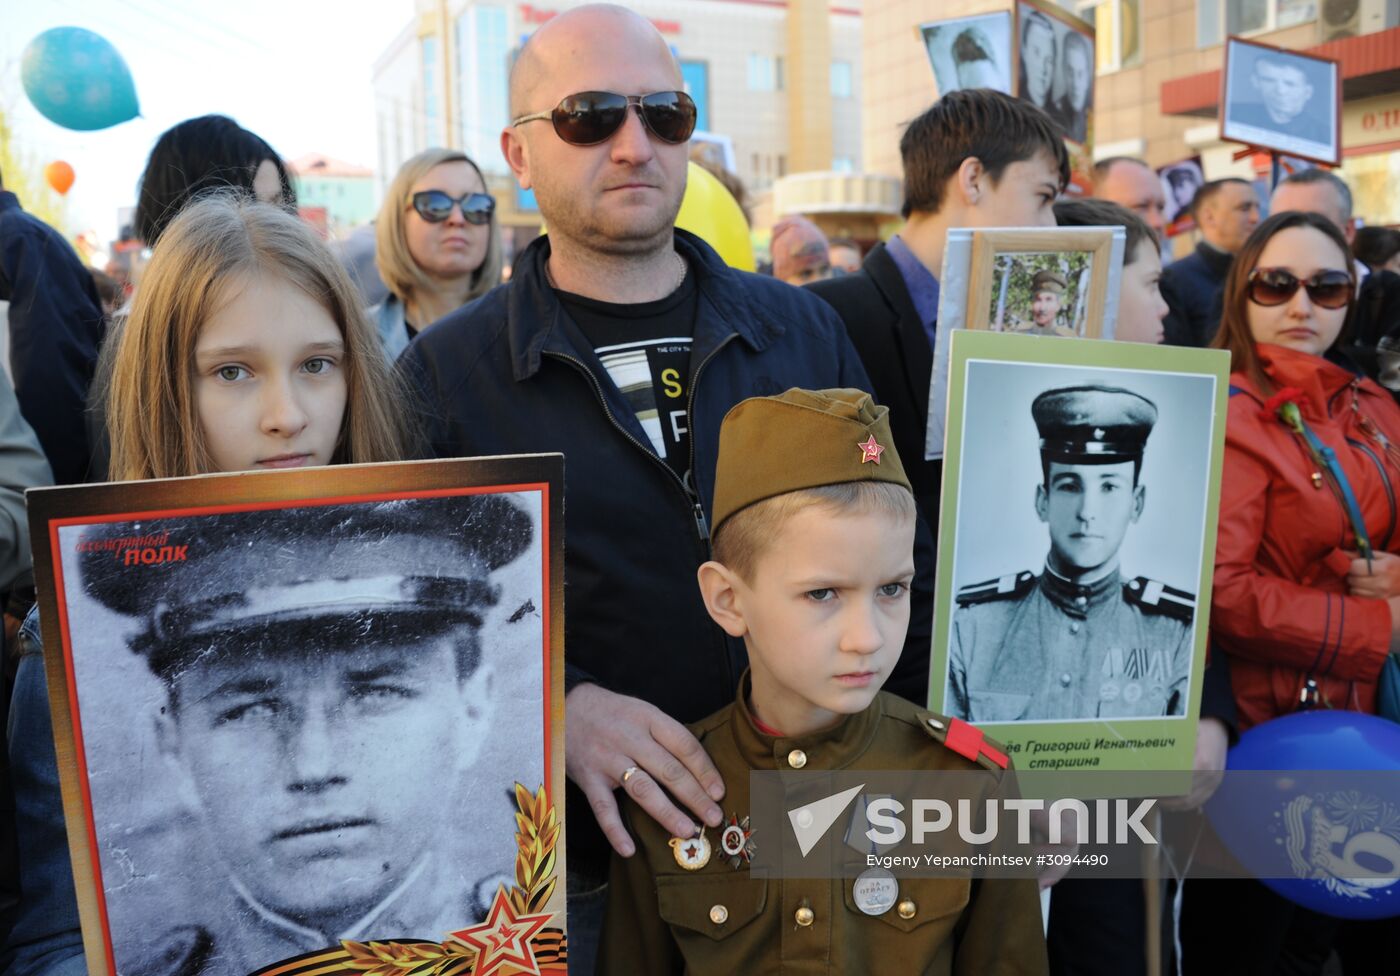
1157,90
344,191
779,111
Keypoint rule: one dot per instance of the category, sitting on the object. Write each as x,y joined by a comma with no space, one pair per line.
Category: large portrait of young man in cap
1078,550
299,726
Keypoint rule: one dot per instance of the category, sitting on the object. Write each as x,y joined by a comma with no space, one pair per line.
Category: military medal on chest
692,853
737,841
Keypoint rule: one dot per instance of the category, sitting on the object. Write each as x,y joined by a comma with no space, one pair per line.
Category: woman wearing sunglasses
436,244
1307,584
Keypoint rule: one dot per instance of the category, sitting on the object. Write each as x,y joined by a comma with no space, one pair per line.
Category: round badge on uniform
875,891
1132,692
692,853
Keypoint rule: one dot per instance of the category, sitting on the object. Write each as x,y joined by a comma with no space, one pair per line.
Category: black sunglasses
434,206
1326,289
589,118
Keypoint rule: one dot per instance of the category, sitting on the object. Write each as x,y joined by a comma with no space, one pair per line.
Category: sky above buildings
296,72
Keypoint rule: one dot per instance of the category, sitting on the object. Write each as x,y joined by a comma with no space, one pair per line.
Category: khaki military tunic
1034,328
1034,648
663,919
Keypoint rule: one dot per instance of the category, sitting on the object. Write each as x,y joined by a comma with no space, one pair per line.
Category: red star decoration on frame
870,451
503,939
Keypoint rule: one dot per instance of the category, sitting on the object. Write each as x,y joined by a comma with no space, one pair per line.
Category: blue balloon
77,79
1311,823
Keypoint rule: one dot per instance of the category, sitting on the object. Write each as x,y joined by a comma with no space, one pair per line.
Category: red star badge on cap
503,939
870,451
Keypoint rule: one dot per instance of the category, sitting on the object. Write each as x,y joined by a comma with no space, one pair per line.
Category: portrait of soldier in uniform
329,677
1076,640
1047,306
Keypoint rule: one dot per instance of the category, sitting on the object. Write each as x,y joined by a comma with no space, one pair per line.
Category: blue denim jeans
587,897
46,938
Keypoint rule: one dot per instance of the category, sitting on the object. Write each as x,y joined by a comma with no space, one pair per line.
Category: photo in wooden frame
1053,281
311,720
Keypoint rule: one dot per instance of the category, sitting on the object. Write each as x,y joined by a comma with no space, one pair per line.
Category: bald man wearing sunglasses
622,342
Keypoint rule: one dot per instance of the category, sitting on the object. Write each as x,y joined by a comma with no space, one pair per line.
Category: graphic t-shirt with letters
646,350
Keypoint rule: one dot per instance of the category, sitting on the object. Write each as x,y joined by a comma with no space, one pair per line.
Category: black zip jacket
511,373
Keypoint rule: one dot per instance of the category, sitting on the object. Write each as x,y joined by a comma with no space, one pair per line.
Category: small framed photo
1281,100
310,720
970,52
1060,282
1055,66
1180,181
1076,547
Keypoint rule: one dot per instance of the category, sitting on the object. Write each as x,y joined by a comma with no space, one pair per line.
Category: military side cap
1093,424
1048,281
308,577
769,446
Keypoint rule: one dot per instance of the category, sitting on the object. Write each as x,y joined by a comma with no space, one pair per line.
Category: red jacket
1280,607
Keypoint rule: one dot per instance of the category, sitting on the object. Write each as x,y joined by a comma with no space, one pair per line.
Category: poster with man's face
1056,69
1281,100
1180,181
1077,537
299,714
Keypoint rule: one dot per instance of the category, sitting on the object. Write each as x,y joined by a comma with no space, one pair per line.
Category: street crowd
247,345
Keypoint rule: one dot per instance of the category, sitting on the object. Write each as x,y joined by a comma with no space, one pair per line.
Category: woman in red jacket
1306,598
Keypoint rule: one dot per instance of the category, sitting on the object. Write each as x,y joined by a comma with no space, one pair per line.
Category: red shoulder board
968,741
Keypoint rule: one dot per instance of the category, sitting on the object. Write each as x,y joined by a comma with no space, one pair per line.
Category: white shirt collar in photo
315,939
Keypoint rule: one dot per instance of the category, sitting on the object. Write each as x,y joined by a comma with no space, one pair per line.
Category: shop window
1218,19
1117,32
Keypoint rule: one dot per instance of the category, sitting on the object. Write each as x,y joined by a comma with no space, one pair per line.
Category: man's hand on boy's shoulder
613,740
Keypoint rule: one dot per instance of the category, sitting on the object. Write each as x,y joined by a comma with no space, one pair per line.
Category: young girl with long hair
246,348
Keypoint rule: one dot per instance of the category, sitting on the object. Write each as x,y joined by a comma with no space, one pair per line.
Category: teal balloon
77,79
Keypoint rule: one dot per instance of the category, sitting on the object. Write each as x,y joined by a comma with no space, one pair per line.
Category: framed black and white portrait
1077,536
1055,66
1282,100
297,713
970,52
1180,181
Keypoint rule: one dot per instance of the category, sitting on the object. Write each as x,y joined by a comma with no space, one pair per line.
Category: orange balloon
60,176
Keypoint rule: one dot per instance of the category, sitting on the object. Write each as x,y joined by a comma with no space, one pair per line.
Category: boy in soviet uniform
813,557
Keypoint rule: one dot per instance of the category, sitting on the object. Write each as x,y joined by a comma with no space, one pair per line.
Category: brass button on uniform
719,914
1066,679
805,916
797,759
1074,627
936,725
907,908
1081,601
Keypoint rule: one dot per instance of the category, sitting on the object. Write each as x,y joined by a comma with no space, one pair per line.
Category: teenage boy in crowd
813,558
976,158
